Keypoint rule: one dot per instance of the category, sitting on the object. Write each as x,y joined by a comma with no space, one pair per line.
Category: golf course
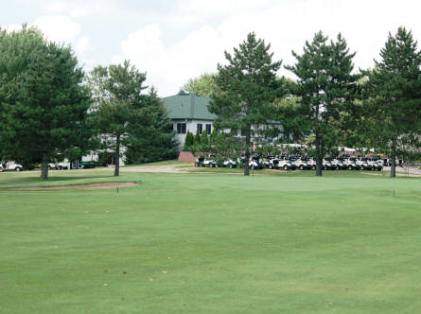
209,242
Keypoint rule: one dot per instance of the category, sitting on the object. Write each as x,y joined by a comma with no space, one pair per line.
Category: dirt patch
155,169
78,187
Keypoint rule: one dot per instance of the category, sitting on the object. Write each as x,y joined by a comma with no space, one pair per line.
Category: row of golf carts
297,162
64,165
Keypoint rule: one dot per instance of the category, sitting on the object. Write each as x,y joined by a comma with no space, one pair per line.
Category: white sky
175,40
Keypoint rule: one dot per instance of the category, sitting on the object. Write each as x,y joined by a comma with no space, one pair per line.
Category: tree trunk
393,160
44,167
247,153
117,157
319,155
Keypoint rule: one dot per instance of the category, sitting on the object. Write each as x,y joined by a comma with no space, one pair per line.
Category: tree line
51,110
329,103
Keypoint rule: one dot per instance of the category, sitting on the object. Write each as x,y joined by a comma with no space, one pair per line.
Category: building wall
192,127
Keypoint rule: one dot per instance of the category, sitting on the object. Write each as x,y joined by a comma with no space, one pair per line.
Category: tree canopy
326,87
129,118
150,134
393,102
246,88
43,101
204,85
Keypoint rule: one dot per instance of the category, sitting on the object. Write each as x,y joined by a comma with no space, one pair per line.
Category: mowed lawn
206,243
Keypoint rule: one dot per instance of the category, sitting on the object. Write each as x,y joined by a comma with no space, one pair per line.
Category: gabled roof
188,106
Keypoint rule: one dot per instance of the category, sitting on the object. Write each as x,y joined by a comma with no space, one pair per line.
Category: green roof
188,107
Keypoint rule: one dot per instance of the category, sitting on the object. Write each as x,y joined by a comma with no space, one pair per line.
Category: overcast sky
175,40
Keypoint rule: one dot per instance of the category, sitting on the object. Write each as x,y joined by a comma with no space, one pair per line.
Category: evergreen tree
150,136
288,110
245,89
188,145
43,101
204,143
326,87
196,143
393,108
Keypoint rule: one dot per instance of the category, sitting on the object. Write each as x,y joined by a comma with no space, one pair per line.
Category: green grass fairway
211,243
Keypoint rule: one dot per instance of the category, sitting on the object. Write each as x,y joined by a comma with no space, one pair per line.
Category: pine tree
326,87
204,146
394,90
43,101
188,145
245,89
150,136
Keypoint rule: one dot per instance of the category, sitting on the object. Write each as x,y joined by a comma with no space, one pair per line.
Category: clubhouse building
189,113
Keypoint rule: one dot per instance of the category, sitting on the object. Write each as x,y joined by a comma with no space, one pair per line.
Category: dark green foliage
393,107
188,145
288,110
43,103
326,87
204,139
117,90
197,138
246,88
128,117
150,135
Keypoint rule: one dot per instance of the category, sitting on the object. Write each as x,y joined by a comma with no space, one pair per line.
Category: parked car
11,166
87,164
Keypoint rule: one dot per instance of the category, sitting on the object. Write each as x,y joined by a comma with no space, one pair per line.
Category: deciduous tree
127,117
204,85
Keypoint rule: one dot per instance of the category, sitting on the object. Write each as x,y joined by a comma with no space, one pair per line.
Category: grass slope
197,243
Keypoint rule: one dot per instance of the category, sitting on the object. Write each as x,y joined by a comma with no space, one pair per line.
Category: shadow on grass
24,181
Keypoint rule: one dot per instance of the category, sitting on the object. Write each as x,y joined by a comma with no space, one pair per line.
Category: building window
181,128
209,128
199,128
